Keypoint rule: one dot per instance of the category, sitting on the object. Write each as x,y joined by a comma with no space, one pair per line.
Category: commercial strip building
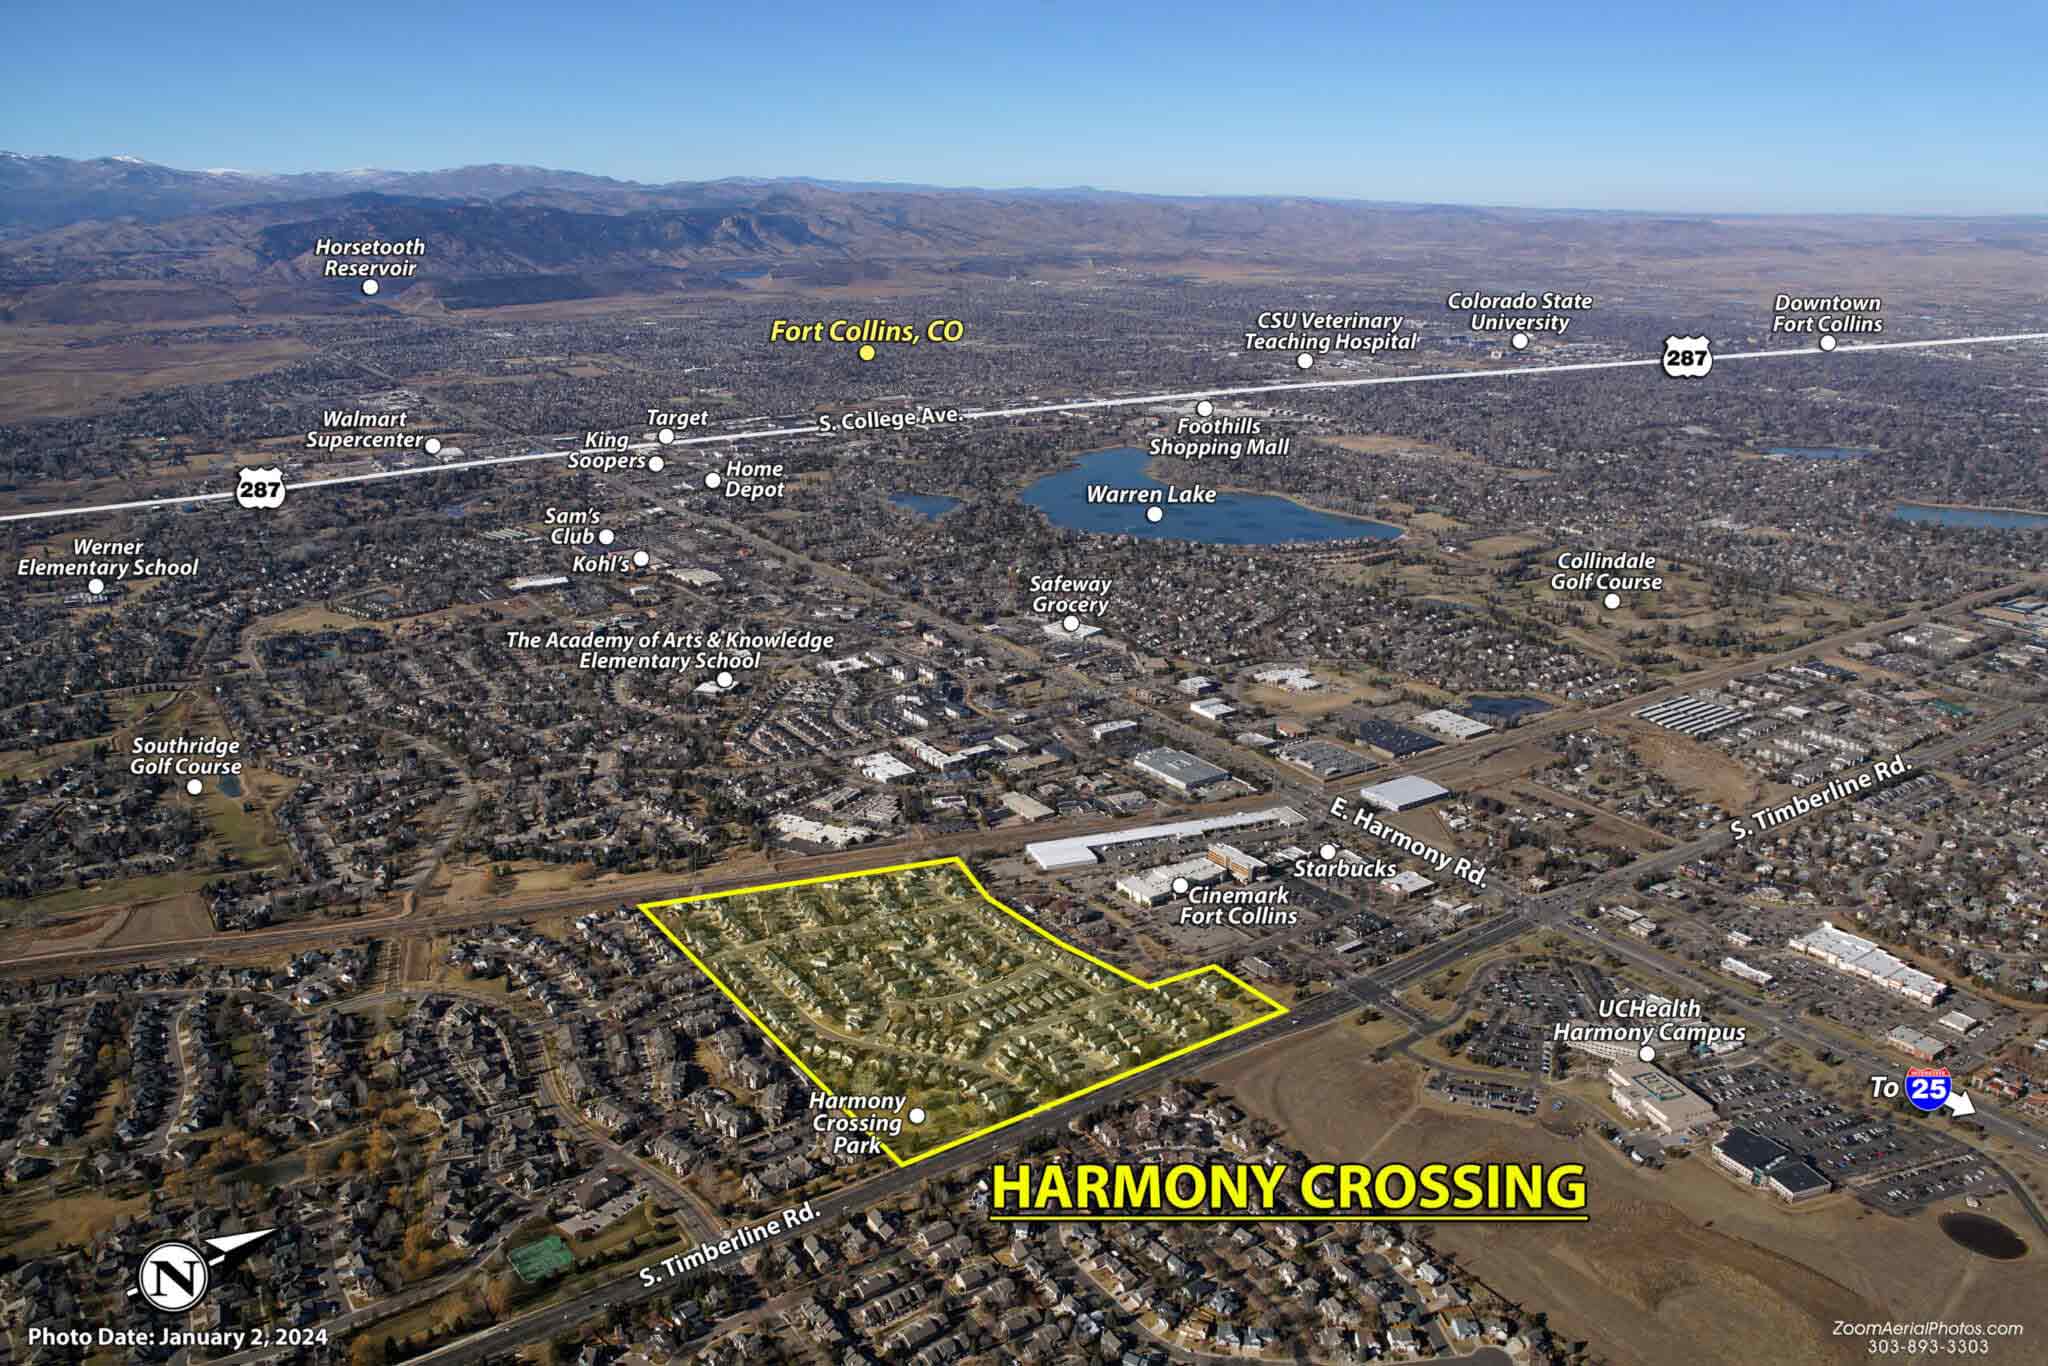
1918,1043
1859,957
1079,851
1735,967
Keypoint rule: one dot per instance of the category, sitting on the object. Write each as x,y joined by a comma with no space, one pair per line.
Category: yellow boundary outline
649,908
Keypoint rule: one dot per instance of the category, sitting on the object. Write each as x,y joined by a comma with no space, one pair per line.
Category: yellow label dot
867,352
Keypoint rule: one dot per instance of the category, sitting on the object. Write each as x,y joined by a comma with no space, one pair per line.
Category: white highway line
1075,405
532,455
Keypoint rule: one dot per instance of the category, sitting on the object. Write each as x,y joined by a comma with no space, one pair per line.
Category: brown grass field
47,378
1675,1266
1701,770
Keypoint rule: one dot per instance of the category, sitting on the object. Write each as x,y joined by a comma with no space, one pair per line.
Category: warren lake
1233,519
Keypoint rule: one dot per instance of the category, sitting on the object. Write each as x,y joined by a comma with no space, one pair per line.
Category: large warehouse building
1178,769
1079,851
1404,794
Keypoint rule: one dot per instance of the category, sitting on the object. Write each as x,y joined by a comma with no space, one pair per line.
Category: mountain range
117,238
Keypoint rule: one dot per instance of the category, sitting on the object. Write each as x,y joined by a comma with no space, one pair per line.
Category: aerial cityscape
1263,748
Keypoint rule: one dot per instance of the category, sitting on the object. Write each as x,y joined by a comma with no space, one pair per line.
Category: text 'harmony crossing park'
927,1013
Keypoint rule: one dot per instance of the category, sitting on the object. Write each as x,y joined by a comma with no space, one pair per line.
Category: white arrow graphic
1959,1101
234,1242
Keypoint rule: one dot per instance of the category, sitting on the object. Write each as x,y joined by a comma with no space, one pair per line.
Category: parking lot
1487,1095
1520,1004
1894,1165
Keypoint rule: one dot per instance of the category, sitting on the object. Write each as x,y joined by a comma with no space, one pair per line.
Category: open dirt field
48,378
1675,1266
1336,693
171,917
1700,770
1412,448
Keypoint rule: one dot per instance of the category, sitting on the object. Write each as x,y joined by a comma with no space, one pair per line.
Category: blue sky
1873,107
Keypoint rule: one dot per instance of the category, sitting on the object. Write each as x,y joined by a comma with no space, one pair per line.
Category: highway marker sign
1927,1088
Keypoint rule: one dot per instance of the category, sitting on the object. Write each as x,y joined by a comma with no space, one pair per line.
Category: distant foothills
505,234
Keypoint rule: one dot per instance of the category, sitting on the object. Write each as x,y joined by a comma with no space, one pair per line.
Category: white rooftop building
1155,885
881,767
1445,722
1078,851
1859,957
1404,794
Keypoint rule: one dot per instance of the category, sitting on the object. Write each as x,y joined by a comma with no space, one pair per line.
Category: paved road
1374,988
1377,988
325,933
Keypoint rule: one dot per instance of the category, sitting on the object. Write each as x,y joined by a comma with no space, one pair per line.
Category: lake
1233,519
1983,1235
1997,519
1816,453
932,505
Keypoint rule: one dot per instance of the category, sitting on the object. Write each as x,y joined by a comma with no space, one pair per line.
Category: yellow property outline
649,908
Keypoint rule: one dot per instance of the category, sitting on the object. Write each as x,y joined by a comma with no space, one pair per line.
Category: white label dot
713,480
1646,1053
640,559
917,1114
433,445
725,678
1204,408
96,587
656,463
1304,360
1072,623
1154,513
666,436
1329,851
1613,601
1827,341
606,537
194,786
1180,886
369,286
1520,341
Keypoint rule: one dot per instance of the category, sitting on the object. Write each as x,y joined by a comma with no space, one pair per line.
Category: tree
498,1295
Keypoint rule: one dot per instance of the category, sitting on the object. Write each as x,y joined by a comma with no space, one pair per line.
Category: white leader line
1075,405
